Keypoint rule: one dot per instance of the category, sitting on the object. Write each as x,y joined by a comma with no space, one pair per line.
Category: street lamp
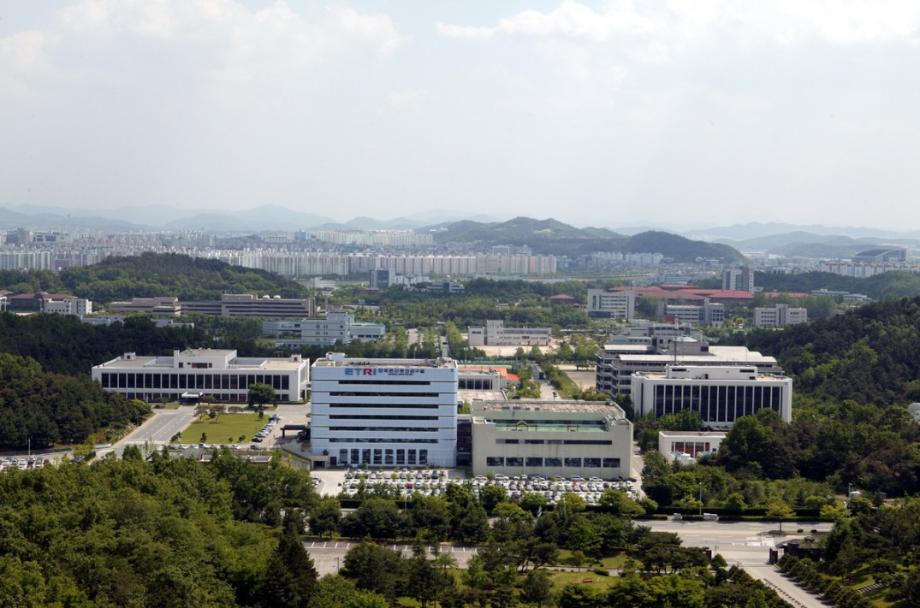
701,499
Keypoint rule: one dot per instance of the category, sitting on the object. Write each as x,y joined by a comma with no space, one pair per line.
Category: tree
375,568
325,517
617,502
537,588
492,494
260,394
291,575
735,503
779,510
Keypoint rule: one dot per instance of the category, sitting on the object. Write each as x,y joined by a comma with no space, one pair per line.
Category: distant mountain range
554,237
752,230
165,217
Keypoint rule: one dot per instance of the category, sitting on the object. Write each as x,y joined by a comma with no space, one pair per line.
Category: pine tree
291,575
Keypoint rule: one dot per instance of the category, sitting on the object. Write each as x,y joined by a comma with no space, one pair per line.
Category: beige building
550,438
496,334
685,447
779,315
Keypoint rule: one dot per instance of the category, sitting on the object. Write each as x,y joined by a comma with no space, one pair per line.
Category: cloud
681,22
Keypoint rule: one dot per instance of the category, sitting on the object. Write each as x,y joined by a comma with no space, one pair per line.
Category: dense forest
64,345
871,354
887,285
179,533
154,274
171,533
53,408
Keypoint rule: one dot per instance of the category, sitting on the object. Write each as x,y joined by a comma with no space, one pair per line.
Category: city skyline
606,114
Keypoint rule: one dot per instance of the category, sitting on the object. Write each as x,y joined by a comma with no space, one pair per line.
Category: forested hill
870,355
881,286
53,408
555,237
168,274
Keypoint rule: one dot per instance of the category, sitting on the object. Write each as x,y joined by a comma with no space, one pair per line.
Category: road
328,556
156,430
746,544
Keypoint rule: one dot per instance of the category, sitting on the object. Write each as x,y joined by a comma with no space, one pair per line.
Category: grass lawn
226,428
584,579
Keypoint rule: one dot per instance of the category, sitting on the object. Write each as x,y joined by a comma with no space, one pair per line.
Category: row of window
389,429
391,406
214,381
378,440
537,461
364,394
376,382
227,397
555,441
716,403
381,457
374,417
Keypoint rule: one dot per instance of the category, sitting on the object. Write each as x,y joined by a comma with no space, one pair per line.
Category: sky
680,113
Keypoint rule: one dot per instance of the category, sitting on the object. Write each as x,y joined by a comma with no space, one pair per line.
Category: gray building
550,438
335,327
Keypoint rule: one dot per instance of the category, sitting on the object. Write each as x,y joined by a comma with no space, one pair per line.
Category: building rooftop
715,434
339,360
130,361
556,406
716,353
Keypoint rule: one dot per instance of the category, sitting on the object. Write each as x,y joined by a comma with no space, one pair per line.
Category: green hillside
554,237
160,274
886,285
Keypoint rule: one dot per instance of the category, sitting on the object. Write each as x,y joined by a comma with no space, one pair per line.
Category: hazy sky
684,112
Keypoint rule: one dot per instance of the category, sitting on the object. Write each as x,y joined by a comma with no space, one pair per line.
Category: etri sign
383,371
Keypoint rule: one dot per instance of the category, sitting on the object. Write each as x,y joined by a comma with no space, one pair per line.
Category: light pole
701,499
849,494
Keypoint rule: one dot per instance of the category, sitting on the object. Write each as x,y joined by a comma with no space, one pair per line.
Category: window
423,456
355,457
343,456
507,441
533,461
378,456
573,462
553,462
400,456
495,461
592,462
514,461
611,463
388,457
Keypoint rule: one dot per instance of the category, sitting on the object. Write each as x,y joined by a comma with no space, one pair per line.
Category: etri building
551,438
384,412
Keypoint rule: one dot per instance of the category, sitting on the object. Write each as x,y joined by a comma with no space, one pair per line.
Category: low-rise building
218,374
76,307
686,447
612,304
496,334
159,306
549,438
335,327
720,394
708,313
248,305
779,315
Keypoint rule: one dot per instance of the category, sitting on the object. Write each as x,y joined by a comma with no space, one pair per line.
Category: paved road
156,430
748,545
329,556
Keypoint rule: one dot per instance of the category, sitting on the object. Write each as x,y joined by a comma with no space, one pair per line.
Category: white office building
686,447
335,327
76,307
496,334
384,412
613,304
617,363
214,374
721,395
779,315
709,313
547,438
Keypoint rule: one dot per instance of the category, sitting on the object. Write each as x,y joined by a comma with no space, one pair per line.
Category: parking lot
329,556
434,482
24,463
